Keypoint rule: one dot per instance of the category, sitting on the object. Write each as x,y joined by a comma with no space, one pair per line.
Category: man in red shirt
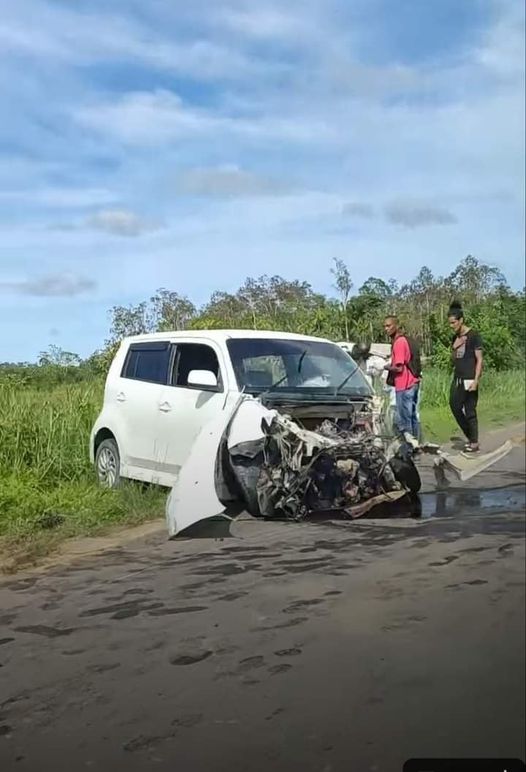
405,382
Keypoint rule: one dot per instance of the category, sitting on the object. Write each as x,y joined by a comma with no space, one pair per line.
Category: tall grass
46,479
505,387
501,401
47,433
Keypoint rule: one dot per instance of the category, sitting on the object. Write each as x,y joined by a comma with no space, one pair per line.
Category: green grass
501,402
48,489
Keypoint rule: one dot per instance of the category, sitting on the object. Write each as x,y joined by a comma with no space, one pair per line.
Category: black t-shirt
464,356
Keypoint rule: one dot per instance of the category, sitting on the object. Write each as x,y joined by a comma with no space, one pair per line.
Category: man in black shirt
467,361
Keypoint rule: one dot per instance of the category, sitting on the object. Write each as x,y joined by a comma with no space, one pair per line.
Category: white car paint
193,496
247,424
154,425
183,412
170,434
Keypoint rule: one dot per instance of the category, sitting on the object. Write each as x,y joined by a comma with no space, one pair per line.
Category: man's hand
474,386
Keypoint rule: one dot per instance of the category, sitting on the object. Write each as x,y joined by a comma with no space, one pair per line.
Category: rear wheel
108,464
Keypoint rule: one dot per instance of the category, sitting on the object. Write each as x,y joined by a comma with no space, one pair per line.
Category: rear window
147,362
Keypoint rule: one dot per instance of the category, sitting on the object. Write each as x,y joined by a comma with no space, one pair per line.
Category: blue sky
188,145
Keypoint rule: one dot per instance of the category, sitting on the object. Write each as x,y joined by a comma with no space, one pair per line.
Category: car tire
406,473
247,471
108,464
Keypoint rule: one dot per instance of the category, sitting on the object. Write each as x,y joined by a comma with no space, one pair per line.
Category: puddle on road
465,502
452,503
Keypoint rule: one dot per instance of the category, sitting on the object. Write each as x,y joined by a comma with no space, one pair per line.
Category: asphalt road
319,647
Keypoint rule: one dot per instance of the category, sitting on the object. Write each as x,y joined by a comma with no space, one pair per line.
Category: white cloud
120,222
262,22
151,117
72,37
503,47
229,181
413,215
52,285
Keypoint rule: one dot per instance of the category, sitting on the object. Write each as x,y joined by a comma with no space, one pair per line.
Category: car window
263,371
307,367
147,362
193,356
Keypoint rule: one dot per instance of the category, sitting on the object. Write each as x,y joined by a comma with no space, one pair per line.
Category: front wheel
247,471
108,464
406,473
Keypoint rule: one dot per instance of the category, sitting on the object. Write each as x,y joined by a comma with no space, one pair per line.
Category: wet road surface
320,647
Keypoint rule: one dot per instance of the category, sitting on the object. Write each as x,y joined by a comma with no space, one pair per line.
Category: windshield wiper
284,378
347,378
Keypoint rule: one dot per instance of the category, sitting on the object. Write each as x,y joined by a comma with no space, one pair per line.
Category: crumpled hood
245,424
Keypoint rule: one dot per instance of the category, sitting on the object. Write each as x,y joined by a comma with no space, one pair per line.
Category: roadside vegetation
502,402
48,489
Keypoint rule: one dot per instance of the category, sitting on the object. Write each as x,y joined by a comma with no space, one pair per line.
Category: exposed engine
336,467
341,463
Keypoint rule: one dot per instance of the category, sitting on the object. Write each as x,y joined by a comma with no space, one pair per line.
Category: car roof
221,336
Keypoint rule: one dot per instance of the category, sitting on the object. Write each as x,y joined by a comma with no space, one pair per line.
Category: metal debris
336,467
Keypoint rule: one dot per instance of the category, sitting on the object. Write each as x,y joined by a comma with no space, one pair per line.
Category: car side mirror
204,379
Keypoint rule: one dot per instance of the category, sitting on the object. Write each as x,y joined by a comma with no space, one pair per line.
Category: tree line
275,303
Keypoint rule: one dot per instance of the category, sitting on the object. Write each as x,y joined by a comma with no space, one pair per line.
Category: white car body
155,425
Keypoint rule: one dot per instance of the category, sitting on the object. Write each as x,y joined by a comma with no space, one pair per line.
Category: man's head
455,317
391,326
361,351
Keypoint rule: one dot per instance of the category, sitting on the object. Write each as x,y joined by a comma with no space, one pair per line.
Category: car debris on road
266,456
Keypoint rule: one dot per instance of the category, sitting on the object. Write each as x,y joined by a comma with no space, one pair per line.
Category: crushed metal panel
193,496
465,467
246,425
366,506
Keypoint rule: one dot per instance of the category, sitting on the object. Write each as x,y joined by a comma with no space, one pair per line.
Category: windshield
299,367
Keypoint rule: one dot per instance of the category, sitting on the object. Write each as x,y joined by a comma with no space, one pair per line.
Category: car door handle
165,407
121,397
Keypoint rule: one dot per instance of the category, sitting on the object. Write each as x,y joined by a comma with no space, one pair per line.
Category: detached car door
185,409
143,378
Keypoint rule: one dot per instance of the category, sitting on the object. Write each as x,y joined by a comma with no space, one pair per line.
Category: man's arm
476,342
478,369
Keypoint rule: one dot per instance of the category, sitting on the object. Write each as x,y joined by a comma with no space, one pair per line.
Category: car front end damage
290,459
340,463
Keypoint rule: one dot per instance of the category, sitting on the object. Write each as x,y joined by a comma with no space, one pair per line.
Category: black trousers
463,405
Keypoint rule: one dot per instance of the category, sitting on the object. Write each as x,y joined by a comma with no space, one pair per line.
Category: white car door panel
183,410
137,398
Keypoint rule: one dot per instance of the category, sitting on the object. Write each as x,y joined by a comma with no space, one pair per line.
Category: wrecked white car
305,435
279,424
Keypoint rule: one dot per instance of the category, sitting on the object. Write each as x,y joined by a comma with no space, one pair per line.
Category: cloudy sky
188,145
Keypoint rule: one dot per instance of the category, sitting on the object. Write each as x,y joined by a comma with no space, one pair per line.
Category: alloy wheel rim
107,467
